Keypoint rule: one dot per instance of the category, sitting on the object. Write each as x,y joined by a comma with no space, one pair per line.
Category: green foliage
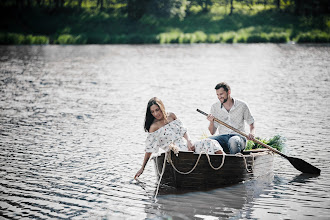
257,38
276,142
214,38
278,37
167,8
228,37
113,25
13,38
313,37
201,37
97,38
70,39
187,38
167,38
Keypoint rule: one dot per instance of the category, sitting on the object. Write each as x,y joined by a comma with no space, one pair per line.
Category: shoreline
26,26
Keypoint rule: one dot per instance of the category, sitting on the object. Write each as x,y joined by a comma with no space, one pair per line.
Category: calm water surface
72,139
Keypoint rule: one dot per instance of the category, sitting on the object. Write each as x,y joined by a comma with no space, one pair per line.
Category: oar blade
303,166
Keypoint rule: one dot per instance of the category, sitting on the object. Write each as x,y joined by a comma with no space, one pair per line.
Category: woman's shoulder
157,125
154,127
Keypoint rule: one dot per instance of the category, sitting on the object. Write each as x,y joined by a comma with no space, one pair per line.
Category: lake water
72,138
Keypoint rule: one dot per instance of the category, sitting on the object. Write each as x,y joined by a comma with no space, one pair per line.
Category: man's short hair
223,85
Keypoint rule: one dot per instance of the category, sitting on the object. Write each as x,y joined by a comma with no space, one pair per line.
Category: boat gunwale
247,153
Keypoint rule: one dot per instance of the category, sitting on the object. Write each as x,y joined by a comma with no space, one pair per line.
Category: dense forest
163,21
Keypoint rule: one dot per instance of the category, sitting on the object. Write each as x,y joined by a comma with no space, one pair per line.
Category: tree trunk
231,7
100,3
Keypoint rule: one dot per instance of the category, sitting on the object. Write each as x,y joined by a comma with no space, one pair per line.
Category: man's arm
212,128
252,131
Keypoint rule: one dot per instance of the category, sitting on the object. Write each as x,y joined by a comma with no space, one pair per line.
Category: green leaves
276,142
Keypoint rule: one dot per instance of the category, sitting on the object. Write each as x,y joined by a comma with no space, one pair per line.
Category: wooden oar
299,164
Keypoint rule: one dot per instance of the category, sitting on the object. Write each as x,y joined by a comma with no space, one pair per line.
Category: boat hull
235,169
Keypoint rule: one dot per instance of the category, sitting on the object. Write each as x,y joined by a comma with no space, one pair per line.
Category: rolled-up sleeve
247,116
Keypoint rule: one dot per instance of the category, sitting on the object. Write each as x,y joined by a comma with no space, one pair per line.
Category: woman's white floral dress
173,133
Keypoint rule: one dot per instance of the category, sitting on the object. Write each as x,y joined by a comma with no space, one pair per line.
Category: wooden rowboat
227,170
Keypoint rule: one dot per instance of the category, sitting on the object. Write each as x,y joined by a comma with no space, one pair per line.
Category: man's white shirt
237,115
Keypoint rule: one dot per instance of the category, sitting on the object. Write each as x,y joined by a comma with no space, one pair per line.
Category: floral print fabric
173,133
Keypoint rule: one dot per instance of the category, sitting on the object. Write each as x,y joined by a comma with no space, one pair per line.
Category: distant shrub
167,8
313,37
167,38
201,37
30,39
136,39
141,39
97,38
151,39
278,37
257,38
81,39
70,39
188,38
161,38
118,39
241,38
213,38
228,37
13,38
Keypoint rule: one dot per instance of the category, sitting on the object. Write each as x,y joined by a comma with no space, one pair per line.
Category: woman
165,129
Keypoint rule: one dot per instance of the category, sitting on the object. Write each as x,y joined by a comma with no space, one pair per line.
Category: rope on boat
199,156
222,163
185,173
161,175
246,167
168,158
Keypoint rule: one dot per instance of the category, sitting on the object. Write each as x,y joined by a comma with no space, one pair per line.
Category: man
233,112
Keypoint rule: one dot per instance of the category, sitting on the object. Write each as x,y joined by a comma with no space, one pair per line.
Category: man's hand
250,137
210,118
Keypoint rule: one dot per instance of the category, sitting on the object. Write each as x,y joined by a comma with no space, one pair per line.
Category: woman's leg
208,146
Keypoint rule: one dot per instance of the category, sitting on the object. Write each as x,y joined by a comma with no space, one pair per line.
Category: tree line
135,9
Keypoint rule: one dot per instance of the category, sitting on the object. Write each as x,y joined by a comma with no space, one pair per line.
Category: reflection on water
233,202
71,126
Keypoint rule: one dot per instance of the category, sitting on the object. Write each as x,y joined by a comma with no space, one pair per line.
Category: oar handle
243,134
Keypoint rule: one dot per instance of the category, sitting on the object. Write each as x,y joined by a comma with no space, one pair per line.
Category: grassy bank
91,26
